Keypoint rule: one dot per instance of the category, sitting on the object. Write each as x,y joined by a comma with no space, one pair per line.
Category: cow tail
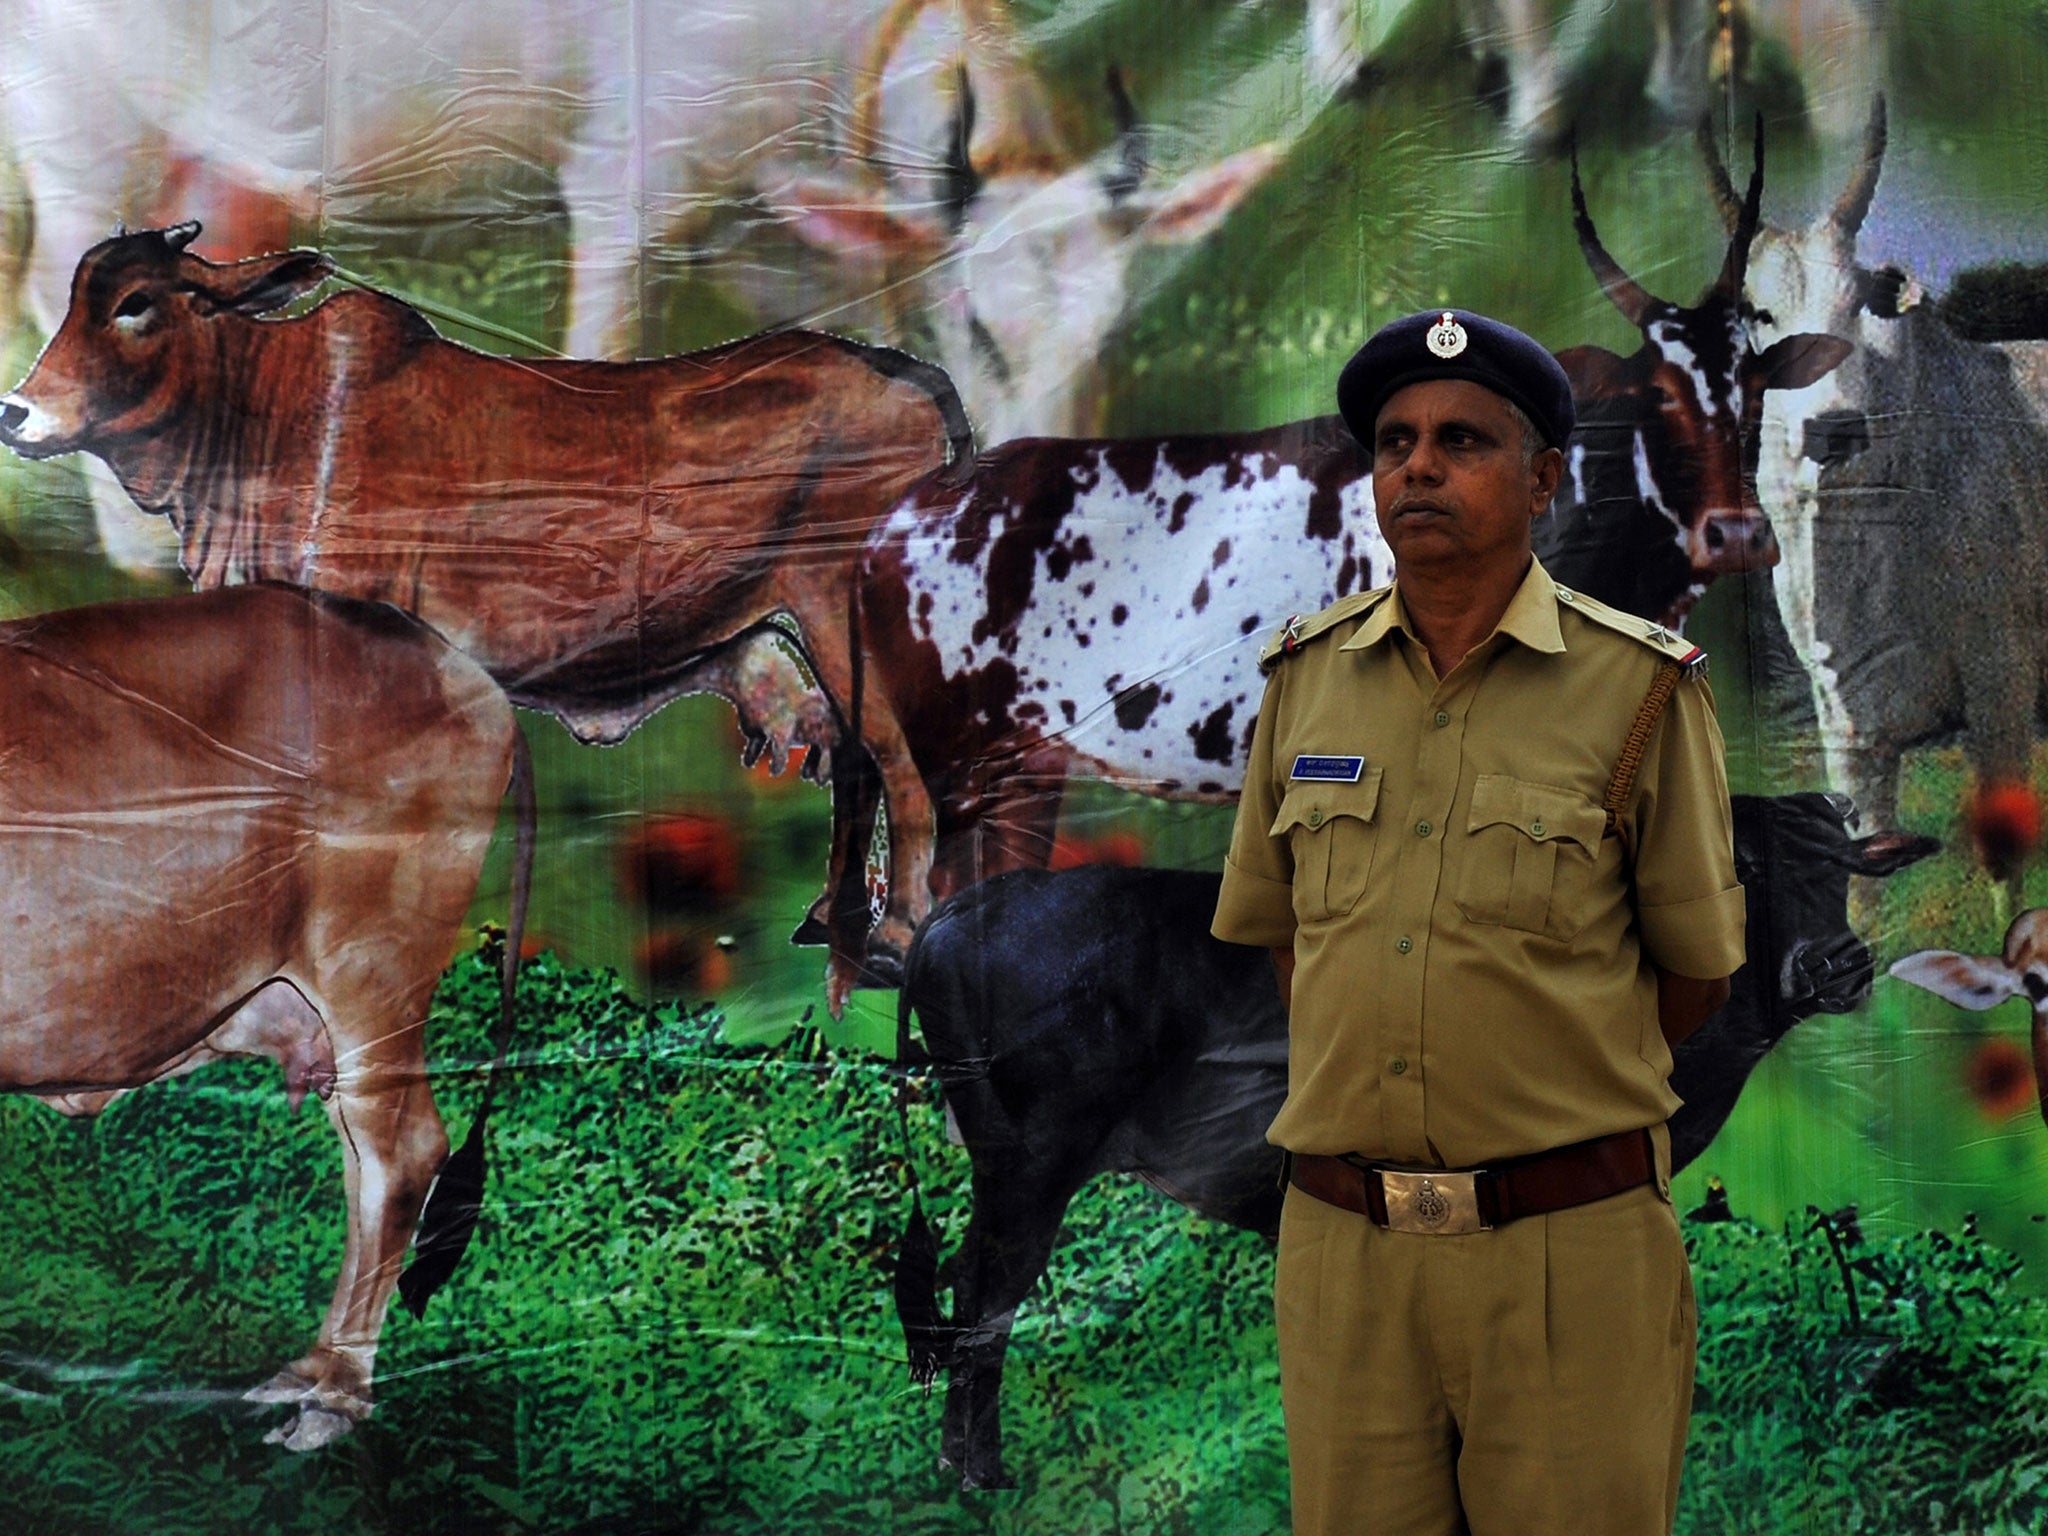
925,1330
456,1196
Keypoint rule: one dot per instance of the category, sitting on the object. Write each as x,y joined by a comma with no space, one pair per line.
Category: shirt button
1535,829
1564,595
1422,829
1315,818
1404,943
1443,717
1398,1065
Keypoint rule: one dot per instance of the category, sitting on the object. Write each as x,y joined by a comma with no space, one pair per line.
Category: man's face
1448,476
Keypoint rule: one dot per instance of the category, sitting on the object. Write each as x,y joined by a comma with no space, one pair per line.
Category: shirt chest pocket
1331,830
1531,855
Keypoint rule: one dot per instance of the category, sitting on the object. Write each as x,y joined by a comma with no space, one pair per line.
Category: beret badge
1446,338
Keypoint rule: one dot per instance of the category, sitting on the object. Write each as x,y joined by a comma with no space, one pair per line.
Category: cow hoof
996,1483
309,1429
881,969
287,1386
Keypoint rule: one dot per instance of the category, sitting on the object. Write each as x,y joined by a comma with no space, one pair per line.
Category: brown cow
590,532
602,537
249,823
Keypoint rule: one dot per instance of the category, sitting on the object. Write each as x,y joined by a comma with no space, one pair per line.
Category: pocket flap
1539,811
1313,803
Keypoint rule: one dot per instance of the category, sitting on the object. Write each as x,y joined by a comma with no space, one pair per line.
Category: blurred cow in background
1906,489
911,137
1535,59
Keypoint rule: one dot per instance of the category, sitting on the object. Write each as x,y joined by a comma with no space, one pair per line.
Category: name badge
1334,770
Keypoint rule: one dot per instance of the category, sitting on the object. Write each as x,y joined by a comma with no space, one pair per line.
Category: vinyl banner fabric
667,596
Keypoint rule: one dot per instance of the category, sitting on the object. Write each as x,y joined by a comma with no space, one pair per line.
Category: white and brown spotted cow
1089,605
250,823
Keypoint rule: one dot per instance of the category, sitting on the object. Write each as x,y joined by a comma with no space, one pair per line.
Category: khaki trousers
1534,1380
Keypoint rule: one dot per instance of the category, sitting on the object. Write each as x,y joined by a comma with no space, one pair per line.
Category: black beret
1455,344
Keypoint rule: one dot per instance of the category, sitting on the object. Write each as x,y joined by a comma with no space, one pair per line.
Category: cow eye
132,306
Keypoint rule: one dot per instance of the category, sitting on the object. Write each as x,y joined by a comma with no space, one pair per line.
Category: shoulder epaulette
1661,638
1301,628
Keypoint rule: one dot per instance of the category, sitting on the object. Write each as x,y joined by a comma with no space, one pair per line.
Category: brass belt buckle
1435,1204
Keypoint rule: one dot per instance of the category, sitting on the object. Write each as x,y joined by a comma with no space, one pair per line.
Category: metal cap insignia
1446,338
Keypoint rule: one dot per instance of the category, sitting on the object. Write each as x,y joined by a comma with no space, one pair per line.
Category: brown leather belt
1442,1202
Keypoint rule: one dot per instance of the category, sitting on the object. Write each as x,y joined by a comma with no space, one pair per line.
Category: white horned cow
1096,606
602,537
1904,486
908,135
1535,58
250,823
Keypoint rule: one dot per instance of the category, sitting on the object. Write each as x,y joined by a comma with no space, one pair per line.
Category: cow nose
1739,541
1826,977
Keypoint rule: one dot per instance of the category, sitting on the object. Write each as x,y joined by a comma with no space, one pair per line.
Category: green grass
676,1317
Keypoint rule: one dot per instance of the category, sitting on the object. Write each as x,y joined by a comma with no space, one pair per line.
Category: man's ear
1546,472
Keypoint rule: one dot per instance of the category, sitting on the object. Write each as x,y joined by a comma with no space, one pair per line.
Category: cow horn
1854,204
178,236
1123,182
1736,266
864,134
961,181
1718,183
1629,296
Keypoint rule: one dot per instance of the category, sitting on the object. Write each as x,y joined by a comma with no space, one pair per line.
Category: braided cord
1624,781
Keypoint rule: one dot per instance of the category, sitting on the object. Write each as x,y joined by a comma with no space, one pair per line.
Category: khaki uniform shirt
1475,965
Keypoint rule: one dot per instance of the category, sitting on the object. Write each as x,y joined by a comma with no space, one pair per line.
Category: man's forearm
1684,1003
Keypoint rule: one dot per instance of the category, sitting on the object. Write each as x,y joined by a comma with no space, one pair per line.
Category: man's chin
1415,536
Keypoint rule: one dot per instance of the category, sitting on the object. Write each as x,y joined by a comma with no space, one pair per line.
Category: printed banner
669,597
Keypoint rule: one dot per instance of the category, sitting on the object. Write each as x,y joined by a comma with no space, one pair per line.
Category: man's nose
1425,460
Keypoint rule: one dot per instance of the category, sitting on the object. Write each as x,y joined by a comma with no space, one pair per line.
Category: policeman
1485,831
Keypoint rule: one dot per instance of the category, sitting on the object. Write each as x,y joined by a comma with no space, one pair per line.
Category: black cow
1085,1022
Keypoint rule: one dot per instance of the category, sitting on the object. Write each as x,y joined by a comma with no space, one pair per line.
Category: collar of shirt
1531,617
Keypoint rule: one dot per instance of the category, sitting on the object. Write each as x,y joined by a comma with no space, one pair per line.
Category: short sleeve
1256,905
1688,904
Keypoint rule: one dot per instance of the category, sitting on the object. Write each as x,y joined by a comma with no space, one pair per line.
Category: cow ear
1975,982
1884,853
1595,372
1203,199
1793,362
853,223
262,283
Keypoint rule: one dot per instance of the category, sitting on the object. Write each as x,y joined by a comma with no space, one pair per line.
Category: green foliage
1864,1387
675,1315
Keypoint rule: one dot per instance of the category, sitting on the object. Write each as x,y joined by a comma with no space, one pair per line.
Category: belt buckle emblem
1433,1204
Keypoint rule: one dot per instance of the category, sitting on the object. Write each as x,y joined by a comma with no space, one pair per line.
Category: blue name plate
1335,770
